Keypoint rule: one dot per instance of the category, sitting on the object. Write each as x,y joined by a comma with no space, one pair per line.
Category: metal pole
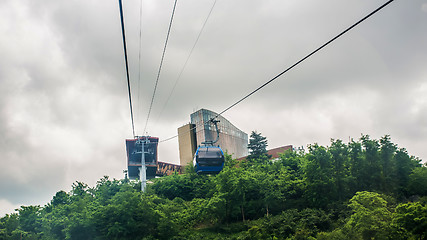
143,168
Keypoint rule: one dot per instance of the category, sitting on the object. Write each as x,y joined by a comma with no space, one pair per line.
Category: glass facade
231,139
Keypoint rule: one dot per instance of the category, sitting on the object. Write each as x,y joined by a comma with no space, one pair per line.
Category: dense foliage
367,189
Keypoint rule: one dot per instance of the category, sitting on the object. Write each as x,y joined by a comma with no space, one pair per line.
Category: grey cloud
64,110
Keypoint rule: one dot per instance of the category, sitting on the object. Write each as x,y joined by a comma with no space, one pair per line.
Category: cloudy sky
64,111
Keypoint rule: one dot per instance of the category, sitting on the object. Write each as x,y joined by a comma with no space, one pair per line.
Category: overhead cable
298,62
186,61
160,67
191,129
127,65
304,58
139,60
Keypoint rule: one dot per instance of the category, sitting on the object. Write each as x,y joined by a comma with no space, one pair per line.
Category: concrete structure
187,143
231,139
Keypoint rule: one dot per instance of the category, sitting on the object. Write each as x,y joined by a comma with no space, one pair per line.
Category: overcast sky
64,110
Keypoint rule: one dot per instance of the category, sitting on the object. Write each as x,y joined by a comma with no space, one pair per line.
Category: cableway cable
139,59
289,68
160,67
186,61
304,58
126,63
191,129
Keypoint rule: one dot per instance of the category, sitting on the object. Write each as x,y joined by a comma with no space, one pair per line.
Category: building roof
274,152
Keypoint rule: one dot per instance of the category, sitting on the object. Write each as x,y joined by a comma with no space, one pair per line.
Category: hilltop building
274,152
231,139
134,150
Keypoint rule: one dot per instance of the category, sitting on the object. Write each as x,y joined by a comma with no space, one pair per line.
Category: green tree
417,182
405,165
186,186
387,154
292,160
79,191
129,215
241,190
60,198
258,147
340,172
412,217
290,224
105,189
271,190
371,218
29,218
373,169
8,224
317,175
358,165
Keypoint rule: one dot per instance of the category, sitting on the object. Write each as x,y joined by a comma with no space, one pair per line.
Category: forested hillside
366,189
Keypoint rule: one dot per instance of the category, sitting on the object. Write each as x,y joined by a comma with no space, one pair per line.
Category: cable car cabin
208,160
134,155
